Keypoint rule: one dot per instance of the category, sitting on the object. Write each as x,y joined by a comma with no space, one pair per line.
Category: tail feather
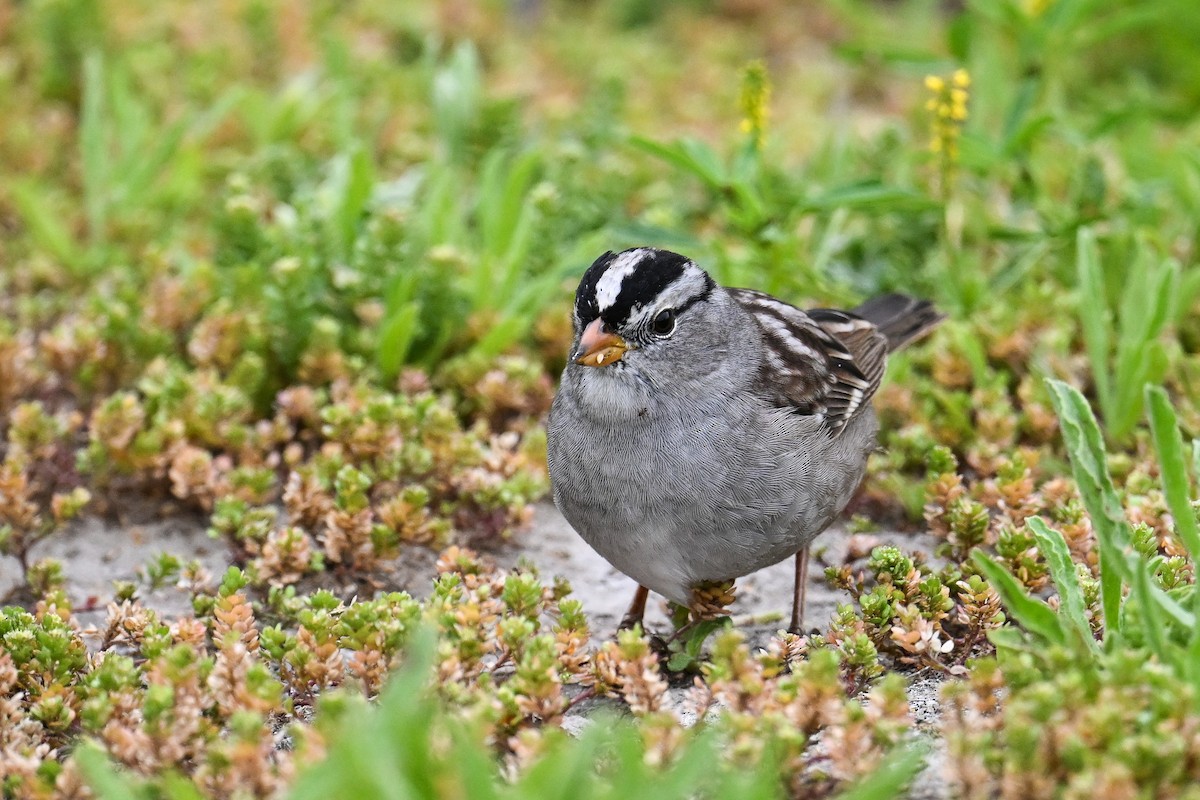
900,318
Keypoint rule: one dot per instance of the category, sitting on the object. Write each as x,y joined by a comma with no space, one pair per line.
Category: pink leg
637,609
801,586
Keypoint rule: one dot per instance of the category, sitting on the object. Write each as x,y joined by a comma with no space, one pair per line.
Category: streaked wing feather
823,362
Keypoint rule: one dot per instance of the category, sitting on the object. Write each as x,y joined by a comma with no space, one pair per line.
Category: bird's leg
801,586
637,609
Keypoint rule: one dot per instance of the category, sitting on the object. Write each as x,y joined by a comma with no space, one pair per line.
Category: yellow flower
754,101
1035,8
948,108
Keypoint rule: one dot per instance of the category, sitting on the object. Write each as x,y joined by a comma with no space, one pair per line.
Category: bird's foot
711,599
629,622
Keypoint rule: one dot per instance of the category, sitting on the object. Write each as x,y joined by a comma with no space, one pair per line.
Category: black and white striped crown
617,287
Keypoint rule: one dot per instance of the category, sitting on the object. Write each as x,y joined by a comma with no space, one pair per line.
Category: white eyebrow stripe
609,285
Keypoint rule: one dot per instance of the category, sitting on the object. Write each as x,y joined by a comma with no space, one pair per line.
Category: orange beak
599,346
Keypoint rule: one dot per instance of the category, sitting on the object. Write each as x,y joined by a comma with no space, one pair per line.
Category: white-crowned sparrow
702,433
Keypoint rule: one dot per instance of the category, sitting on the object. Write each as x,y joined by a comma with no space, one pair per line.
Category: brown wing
823,362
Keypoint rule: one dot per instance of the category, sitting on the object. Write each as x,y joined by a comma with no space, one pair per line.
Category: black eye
664,322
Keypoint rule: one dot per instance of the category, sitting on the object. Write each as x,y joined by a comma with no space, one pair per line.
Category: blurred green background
257,186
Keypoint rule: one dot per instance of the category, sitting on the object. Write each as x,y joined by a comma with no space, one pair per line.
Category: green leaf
346,192
1145,310
688,155
703,630
180,787
892,777
565,770
1085,446
1032,614
1072,607
680,661
1015,133
46,225
871,196
101,776
1094,314
504,185
396,335
1153,625
93,151
1168,444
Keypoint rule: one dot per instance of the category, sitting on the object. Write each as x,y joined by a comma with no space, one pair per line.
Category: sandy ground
95,552
555,549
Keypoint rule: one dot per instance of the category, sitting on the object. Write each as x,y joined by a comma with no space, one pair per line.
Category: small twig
586,694
967,647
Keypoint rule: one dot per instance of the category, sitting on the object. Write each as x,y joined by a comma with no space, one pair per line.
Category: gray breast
708,489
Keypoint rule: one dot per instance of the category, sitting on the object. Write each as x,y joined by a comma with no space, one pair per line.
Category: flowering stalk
755,103
948,107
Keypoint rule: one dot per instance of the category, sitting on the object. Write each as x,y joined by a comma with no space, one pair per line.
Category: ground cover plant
300,273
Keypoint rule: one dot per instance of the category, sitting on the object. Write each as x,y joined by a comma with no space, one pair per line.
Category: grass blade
892,777
871,196
396,335
687,155
92,147
1085,446
1152,621
1140,358
1168,444
1094,314
1033,614
1062,569
100,775
46,224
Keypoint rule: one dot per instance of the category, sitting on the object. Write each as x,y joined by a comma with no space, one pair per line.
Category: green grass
392,750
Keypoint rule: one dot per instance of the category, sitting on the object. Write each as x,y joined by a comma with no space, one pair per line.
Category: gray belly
672,505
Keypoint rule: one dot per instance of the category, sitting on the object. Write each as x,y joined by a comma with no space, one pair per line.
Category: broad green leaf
346,192
1146,305
679,661
563,772
1016,120
1196,457
703,630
